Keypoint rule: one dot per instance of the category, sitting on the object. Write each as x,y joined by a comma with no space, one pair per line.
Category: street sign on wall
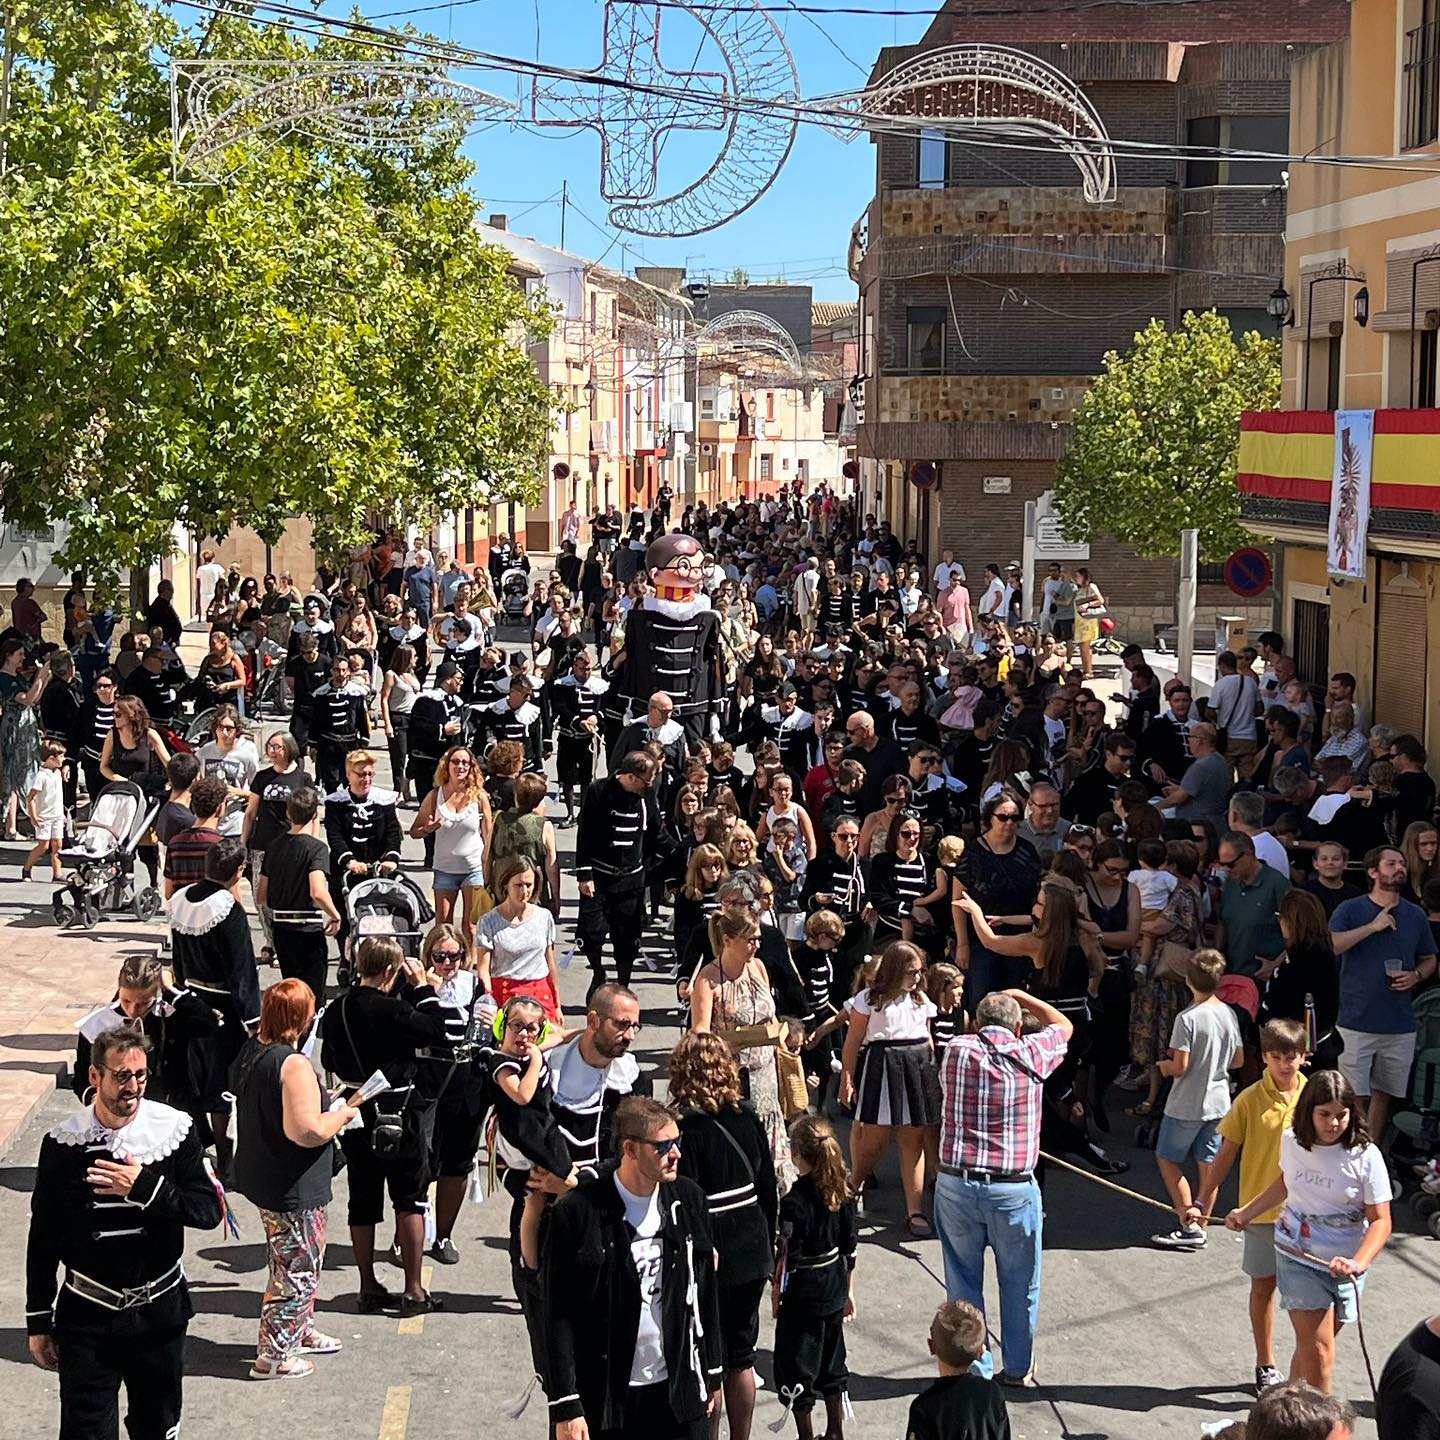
1051,541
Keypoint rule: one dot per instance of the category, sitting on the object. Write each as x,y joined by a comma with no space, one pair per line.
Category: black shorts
405,1174
1063,629
454,1138
740,1321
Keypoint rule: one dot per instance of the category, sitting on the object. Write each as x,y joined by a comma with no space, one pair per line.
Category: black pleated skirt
898,1084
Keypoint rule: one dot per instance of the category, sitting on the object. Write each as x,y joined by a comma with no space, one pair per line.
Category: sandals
1140,1111
372,1302
295,1368
919,1227
317,1344
423,1306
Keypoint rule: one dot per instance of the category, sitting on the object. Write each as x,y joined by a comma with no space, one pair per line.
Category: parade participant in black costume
517,718
437,721
313,622
115,1187
631,1300
614,841
165,1014
672,737
576,698
462,636
591,1073
791,728
295,885
673,642
449,1079
214,957
378,1024
362,831
838,879
815,1280
341,724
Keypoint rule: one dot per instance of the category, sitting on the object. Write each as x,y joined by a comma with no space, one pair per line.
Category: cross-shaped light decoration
633,125
754,102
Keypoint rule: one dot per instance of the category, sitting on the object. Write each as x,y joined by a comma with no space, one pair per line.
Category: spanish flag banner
1290,455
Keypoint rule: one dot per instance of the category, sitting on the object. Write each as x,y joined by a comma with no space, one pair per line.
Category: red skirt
539,990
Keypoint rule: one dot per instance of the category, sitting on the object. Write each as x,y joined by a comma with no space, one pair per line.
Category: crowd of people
945,894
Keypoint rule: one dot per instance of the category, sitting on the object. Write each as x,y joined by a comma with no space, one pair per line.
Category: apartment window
766,464
1427,351
925,339
1244,319
1269,133
594,305
1332,372
770,405
930,160
1422,74
707,408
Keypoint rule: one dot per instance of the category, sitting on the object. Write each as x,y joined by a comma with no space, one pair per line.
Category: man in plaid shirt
989,1142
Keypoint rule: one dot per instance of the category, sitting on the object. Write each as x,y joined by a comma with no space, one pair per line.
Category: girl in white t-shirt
889,1072
1336,1219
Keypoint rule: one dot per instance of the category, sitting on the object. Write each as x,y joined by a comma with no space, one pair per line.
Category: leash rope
1213,1220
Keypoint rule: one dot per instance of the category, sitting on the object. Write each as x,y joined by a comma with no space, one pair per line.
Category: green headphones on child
497,1026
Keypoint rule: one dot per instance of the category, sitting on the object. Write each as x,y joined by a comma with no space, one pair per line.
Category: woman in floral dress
733,992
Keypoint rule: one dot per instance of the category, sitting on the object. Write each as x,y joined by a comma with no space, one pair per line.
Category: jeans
970,1215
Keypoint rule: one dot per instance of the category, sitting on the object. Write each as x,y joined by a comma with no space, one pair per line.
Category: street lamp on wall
1362,306
1277,307
1342,272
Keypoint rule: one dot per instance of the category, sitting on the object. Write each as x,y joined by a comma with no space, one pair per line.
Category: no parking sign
1248,572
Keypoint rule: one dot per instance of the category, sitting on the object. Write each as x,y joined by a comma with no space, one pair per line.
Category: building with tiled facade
991,289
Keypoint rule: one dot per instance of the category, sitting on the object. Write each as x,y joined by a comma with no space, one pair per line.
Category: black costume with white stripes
614,841
501,720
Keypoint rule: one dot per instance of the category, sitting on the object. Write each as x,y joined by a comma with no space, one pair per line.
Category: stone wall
942,398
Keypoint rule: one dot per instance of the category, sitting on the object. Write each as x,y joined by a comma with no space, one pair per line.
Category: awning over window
1290,455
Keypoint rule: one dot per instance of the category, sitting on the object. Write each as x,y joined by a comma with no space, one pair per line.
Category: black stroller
390,905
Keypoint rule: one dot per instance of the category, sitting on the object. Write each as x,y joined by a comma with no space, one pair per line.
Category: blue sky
798,230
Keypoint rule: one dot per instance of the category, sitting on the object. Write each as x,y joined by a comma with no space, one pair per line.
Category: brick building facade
991,288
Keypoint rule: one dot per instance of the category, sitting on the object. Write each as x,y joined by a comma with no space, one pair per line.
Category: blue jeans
971,1215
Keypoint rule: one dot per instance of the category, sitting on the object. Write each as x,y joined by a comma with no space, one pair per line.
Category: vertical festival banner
1350,493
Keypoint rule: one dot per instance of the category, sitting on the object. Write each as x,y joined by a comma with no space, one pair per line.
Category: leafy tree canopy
1157,437
322,335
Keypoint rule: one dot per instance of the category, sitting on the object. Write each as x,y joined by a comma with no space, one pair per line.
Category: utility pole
564,206
1185,605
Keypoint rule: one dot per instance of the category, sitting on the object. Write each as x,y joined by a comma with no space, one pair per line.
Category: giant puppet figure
673,642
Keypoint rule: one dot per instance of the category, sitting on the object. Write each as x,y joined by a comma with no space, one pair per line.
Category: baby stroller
104,860
515,596
389,905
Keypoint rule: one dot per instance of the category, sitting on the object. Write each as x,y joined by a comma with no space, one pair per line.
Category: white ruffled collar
679,609
198,917
155,1132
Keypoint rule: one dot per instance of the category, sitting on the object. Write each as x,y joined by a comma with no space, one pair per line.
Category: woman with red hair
283,1166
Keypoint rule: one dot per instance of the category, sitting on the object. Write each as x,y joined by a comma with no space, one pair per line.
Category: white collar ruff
155,1132
198,917
679,609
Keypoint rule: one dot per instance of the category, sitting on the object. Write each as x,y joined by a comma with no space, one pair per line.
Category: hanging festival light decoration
739,102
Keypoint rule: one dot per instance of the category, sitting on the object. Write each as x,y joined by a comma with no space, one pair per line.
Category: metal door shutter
1400,656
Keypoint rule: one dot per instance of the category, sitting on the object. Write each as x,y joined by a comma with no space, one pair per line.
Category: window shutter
1400,649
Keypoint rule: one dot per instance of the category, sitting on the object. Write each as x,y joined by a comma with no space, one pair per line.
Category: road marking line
415,1325
396,1415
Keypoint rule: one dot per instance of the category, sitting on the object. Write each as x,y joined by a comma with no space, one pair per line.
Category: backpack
514,833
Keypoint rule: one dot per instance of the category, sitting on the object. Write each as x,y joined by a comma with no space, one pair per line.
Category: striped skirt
898,1084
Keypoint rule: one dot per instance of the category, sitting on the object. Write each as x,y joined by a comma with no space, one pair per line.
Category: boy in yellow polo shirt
1251,1129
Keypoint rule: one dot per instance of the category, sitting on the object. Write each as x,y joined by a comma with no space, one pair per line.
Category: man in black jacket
630,1294
613,843
362,830
115,1186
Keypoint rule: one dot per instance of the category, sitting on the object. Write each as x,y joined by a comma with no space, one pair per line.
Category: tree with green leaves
322,335
1157,437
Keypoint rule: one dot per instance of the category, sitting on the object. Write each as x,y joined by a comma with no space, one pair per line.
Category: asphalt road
1134,1342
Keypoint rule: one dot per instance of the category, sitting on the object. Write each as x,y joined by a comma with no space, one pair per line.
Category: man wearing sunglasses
115,1186
631,1300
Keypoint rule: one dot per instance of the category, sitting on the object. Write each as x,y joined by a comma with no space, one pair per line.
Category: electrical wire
808,112
890,12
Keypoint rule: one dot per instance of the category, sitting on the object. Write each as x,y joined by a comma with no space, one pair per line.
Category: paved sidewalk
49,980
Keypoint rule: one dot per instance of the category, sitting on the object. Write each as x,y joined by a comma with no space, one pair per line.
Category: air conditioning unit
1056,393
